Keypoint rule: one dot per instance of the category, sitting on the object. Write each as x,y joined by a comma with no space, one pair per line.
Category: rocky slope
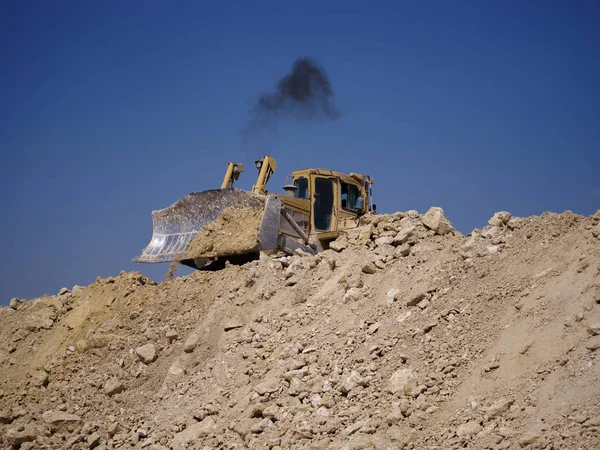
404,334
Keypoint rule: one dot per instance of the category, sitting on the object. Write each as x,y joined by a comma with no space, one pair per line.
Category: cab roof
352,178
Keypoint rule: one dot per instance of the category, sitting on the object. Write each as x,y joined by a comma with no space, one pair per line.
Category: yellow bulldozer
205,229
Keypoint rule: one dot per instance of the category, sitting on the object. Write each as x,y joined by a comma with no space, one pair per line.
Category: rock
403,235
322,411
81,345
171,335
267,387
499,219
112,387
191,343
429,325
435,220
15,302
385,240
5,417
112,429
17,436
134,438
593,422
529,439
390,297
261,426
270,412
18,412
232,323
395,416
351,381
469,429
499,408
379,264
61,419
296,373
352,295
415,298
296,387
93,440
338,245
403,382
594,329
63,291
40,378
364,236
353,428
176,370
74,440
593,343
193,433
373,328
292,281
146,353
506,432
402,251
385,251
514,223
369,268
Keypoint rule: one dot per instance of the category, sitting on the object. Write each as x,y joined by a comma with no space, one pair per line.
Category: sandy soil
235,232
396,338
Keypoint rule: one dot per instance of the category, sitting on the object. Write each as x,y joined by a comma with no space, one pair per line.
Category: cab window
302,185
349,195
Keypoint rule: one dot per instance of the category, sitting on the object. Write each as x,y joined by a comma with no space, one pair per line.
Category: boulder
15,302
146,353
385,240
369,268
338,245
469,429
267,387
403,382
499,408
17,436
499,219
593,343
350,381
403,235
435,220
352,295
191,343
61,419
112,387
194,433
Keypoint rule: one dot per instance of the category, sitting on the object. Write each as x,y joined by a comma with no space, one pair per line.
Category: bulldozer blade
175,226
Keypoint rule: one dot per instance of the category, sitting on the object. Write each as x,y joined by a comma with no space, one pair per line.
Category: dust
171,273
235,232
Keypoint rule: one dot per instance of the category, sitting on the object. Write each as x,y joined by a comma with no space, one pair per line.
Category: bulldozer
203,230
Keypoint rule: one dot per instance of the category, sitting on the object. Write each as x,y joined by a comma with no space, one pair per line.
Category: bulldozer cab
333,200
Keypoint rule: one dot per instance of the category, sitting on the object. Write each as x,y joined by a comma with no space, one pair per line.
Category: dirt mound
234,232
404,334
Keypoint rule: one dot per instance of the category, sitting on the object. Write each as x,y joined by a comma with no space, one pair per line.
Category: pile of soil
403,335
235,232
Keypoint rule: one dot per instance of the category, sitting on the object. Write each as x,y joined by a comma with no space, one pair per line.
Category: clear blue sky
109,110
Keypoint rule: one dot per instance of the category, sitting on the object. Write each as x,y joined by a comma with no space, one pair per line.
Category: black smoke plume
304,94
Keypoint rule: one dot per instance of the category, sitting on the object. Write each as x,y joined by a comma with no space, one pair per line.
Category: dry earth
404,335
234,232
